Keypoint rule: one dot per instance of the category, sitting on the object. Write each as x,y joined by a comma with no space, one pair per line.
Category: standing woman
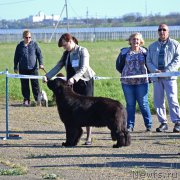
27,59
79,74
131,61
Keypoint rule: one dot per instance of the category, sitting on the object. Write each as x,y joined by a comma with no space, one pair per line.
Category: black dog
77,111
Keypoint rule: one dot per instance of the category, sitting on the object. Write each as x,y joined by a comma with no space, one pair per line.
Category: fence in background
87,34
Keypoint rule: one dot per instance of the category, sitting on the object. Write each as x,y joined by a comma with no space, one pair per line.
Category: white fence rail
87,34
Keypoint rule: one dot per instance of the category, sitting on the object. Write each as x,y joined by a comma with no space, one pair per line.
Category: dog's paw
116,146
64,144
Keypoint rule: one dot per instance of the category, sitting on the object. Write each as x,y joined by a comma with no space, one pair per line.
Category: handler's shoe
176,127
26,103
130,129
148,129
88,142
162,128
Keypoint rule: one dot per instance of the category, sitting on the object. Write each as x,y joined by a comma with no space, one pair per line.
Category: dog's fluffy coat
77,111
42,99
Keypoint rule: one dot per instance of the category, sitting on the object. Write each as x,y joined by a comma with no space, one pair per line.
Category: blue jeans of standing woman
137,93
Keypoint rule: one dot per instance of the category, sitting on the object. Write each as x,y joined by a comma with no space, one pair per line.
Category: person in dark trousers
78,71
27,58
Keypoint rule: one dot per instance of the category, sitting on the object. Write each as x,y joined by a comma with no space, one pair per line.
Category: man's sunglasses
162,29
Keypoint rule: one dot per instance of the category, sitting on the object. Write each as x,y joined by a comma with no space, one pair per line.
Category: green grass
13,169
103,55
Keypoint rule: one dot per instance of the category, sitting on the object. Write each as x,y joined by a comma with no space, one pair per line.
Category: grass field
103,55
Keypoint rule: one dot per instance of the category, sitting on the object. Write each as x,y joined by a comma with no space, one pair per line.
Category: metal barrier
19,76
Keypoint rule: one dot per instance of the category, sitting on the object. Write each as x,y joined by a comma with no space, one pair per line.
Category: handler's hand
41,67
158,71
44,79
71,81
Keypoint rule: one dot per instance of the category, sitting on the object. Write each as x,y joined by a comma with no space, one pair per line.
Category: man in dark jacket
26,59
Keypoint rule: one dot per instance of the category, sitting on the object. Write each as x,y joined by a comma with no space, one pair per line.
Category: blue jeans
137,93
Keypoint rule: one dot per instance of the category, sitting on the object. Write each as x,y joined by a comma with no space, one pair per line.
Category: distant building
42,17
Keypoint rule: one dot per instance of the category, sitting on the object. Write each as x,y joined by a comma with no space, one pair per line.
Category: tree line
127,20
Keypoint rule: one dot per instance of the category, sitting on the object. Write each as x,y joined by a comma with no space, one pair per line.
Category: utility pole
65,6
67,16
146,8
87,16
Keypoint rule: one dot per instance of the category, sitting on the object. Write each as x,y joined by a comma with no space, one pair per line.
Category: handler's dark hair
66,37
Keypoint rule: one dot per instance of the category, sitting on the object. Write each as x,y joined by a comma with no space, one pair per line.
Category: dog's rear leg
116,136
113,135
120,140
127,138
112,128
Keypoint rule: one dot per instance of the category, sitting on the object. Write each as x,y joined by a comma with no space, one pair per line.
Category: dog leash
44,70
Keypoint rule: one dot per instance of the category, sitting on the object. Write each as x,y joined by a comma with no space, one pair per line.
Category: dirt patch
151,155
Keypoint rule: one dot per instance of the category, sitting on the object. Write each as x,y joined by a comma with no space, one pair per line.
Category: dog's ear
56,83
60,83
60,75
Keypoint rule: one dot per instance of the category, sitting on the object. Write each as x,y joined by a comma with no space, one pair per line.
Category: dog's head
57,84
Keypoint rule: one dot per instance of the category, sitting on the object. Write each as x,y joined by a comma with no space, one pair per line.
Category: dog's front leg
77,135
70,136
67,143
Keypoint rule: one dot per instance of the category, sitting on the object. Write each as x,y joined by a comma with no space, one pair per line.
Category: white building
41,17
